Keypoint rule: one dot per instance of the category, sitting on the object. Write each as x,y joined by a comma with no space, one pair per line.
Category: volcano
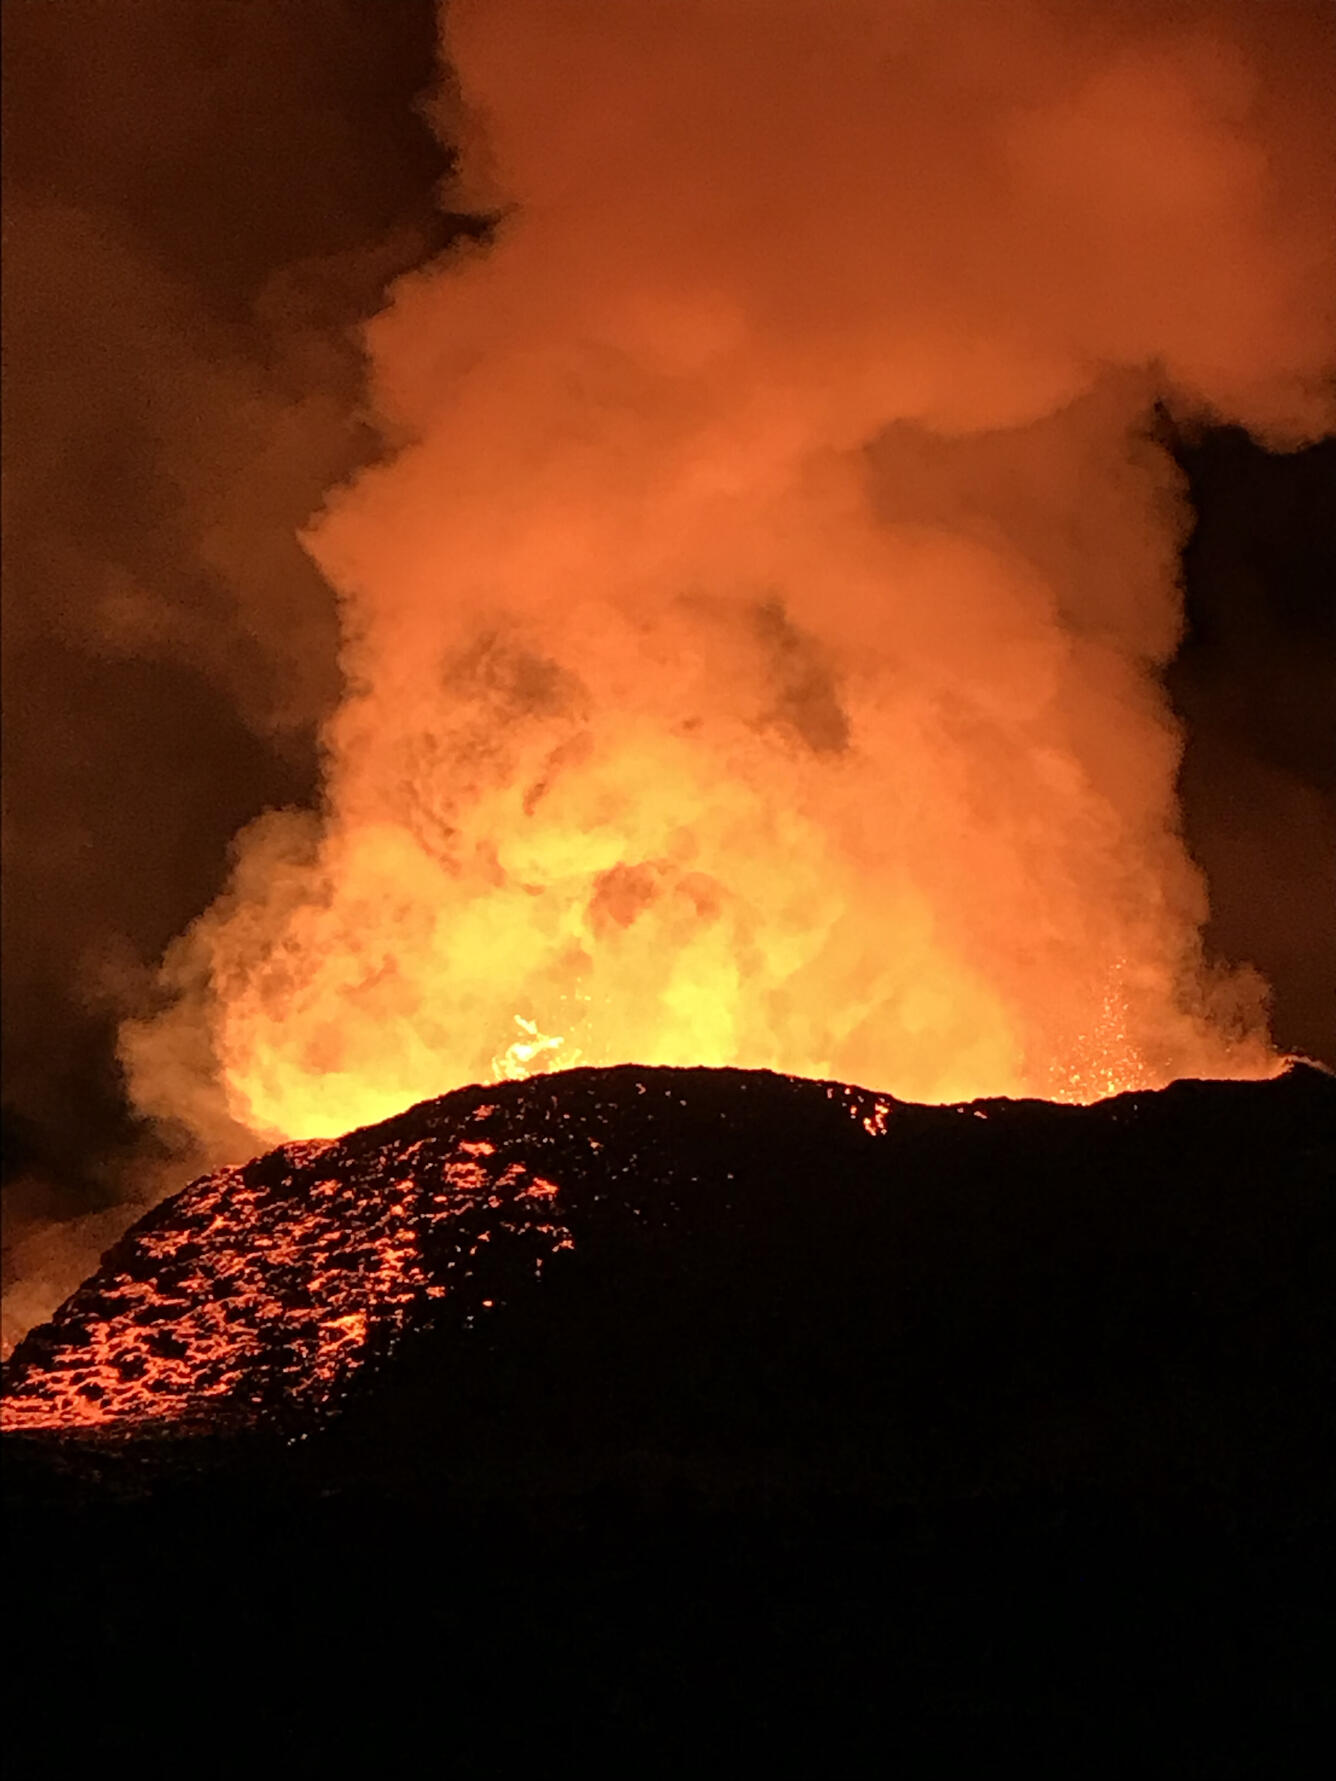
630,1398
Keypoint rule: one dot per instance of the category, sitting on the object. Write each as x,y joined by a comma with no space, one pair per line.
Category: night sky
202,201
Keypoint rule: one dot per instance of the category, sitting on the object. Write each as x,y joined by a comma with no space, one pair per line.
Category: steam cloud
750,647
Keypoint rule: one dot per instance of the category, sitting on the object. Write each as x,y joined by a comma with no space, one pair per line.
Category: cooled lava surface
271,1285
674,1419
1017,1284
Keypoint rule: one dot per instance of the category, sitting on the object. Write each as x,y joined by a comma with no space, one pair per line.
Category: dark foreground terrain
692,1421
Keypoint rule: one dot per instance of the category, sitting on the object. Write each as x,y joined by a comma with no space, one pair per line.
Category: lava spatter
273,1281
608,1207
272,1284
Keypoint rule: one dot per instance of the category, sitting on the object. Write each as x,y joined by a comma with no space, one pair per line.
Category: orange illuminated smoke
752,632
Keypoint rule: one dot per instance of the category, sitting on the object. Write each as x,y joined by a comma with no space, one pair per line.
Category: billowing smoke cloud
751,648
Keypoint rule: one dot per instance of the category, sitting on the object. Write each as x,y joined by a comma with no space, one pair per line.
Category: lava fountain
751,629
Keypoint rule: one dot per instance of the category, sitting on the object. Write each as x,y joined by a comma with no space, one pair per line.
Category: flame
751,639
531,1052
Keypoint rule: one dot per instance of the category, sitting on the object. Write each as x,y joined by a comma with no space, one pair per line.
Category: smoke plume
750,648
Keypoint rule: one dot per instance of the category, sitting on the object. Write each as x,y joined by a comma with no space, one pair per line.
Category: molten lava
657,1212
269,1286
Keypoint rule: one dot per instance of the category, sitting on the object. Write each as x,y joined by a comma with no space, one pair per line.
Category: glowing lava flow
269,1282
271,1285
265,1295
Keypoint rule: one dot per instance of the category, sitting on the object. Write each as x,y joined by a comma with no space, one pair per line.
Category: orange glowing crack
285,1259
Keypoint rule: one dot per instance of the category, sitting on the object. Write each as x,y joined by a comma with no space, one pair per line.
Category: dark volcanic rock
709,1392
709,1268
